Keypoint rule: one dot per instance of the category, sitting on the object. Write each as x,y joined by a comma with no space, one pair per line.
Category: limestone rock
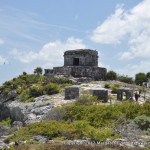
27,112
40,138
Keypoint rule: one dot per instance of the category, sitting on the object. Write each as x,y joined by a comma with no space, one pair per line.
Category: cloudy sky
37,32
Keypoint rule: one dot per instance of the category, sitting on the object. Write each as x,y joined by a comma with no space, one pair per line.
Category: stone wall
128,93
71,92
96,73
101,94
81,57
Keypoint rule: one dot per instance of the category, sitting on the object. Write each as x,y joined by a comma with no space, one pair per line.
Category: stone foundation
128,94
71,92
96,73
101,94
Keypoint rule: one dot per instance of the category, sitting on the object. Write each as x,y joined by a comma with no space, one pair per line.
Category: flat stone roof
81,51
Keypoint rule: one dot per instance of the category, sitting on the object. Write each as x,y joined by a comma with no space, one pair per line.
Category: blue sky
36,33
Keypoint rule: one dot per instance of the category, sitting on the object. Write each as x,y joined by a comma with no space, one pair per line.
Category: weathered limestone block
71,92
128,93
101,94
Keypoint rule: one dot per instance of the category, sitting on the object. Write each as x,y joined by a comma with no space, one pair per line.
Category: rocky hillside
30,108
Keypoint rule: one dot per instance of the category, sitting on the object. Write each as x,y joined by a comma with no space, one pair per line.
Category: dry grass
71,147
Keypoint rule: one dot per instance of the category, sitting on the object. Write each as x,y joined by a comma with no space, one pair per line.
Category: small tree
38,71
148,75
140,78
111,75
125,79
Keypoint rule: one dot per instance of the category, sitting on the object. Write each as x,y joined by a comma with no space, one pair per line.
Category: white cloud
3,60
25,57
51,53
111,30
132,24
132,69
1,42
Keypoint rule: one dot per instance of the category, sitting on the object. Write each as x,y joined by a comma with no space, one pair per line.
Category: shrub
111,75
18,90
61,80
140,78
6,122
86,99
54,114
36,91
125,79
51,88
99,134
107,85
142,89
143,122
115,88
25,95
6,91
38,71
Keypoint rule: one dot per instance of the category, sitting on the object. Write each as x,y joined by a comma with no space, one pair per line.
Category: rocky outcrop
31,112
27,112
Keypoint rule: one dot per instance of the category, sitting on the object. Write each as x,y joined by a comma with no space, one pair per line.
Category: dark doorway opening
76,61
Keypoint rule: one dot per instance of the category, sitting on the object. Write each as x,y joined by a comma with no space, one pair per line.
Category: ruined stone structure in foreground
79,63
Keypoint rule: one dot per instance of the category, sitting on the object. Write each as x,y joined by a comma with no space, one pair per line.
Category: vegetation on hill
82,119
140,77
29,86
78,121
111,75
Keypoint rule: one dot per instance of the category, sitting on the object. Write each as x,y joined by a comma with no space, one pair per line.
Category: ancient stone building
128,93
79,63
81,58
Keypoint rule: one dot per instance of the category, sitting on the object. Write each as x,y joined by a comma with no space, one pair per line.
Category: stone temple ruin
79,63
125,91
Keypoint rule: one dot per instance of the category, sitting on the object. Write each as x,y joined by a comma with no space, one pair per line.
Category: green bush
6,122
94,122
99,134
140,78
115,88
142,89
25,95
111,75
19,90
62,130
86,99
6,91
36,91
107,85
102,116
51,88
125,79
143,122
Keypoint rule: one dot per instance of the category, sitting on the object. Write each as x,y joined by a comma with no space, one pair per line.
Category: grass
60,146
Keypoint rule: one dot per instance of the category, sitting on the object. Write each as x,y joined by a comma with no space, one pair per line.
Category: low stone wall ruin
101,94
71,92
96,73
